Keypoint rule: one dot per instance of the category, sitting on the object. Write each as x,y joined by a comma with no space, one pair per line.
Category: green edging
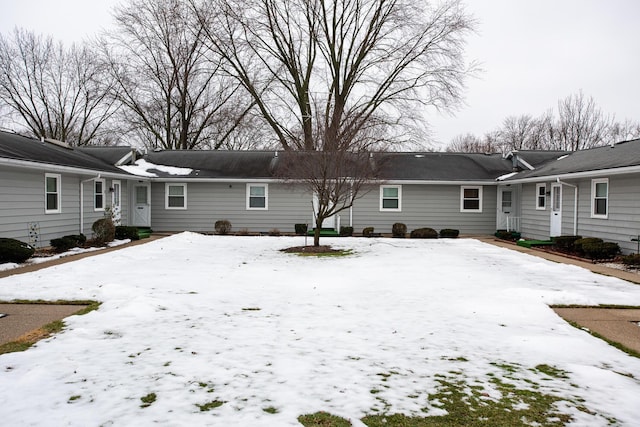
531,243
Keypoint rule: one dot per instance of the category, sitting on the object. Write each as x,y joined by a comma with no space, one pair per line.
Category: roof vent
56,142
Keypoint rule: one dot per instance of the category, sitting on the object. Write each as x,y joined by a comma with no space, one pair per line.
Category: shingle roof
622,154
17,147
111,155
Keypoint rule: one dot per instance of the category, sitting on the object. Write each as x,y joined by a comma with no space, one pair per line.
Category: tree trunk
316,231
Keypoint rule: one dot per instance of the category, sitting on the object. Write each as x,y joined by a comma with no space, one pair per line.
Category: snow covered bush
103,231
12,250
64,243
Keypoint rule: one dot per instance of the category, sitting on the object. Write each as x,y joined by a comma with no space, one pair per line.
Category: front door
555,228
506,210
141,206
328,222
116,202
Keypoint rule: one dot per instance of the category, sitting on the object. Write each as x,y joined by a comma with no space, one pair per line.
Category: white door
141,206
555,228
116,202
328,222
506,210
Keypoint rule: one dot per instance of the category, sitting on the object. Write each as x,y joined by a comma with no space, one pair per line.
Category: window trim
462,198
58,193
266,197
167,196
594,183
382,208
542,197
97,208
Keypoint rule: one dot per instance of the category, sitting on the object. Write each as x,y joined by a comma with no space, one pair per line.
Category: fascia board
49,167
576,175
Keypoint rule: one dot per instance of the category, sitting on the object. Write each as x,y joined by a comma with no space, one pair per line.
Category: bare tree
469,143
174,93
581,124
53,91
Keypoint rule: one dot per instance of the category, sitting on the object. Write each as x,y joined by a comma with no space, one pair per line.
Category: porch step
144,232
531,243
325,232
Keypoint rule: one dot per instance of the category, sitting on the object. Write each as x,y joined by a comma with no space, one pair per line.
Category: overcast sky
533,53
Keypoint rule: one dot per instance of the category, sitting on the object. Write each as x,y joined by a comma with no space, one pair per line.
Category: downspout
575,204
82,201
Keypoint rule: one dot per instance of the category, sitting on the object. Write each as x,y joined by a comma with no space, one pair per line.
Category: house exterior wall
426,205
622,222
209,202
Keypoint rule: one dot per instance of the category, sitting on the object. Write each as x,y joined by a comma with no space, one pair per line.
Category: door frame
555,219
116,201
502,216
135,205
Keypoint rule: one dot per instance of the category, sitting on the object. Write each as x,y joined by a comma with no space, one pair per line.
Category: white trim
462,198
266,196
577,175
95,195
184,195
58,193
538,196
594,182
399,208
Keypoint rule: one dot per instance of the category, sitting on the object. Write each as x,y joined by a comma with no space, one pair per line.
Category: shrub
103,231
578,244
632,260
424,233
507,235
301,229
601,250
565,243
12,250
346,231
367,231
222,227
449,233
274,232
125,232
65,243
399,229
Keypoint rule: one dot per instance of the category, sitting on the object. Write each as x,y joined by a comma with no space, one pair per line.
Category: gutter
577,175
575,204
59,168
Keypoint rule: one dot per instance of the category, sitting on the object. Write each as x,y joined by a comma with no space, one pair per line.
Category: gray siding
622,224
209,202
435,206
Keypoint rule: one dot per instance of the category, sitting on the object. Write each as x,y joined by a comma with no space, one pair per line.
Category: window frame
266,197
382,198
541,197
168,196
595,198
58,193
103,183
463,198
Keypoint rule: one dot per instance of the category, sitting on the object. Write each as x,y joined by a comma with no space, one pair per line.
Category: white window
470,199
52,193
257,196
175,196
391,198
541,196
600,198
98,195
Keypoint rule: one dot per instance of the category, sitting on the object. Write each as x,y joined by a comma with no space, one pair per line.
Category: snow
505,176
144,168
196,319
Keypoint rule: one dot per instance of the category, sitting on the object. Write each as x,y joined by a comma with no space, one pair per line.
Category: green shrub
346,231
399,229
600,250
578,244
507,235
12,250
125,232
367,231
103,231
64,243
222,227
424,233
449,233
632,260
301,229
565,243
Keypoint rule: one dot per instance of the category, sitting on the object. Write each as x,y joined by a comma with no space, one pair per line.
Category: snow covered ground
198,319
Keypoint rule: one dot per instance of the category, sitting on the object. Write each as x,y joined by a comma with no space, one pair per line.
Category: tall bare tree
53,91
581,124
174,93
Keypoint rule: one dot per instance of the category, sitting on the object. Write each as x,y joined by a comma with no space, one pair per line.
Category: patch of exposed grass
323,419
29,339
552,371
148,400
74,398
270,410
210,405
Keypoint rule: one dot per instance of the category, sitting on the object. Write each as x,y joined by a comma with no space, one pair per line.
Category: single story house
55,190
